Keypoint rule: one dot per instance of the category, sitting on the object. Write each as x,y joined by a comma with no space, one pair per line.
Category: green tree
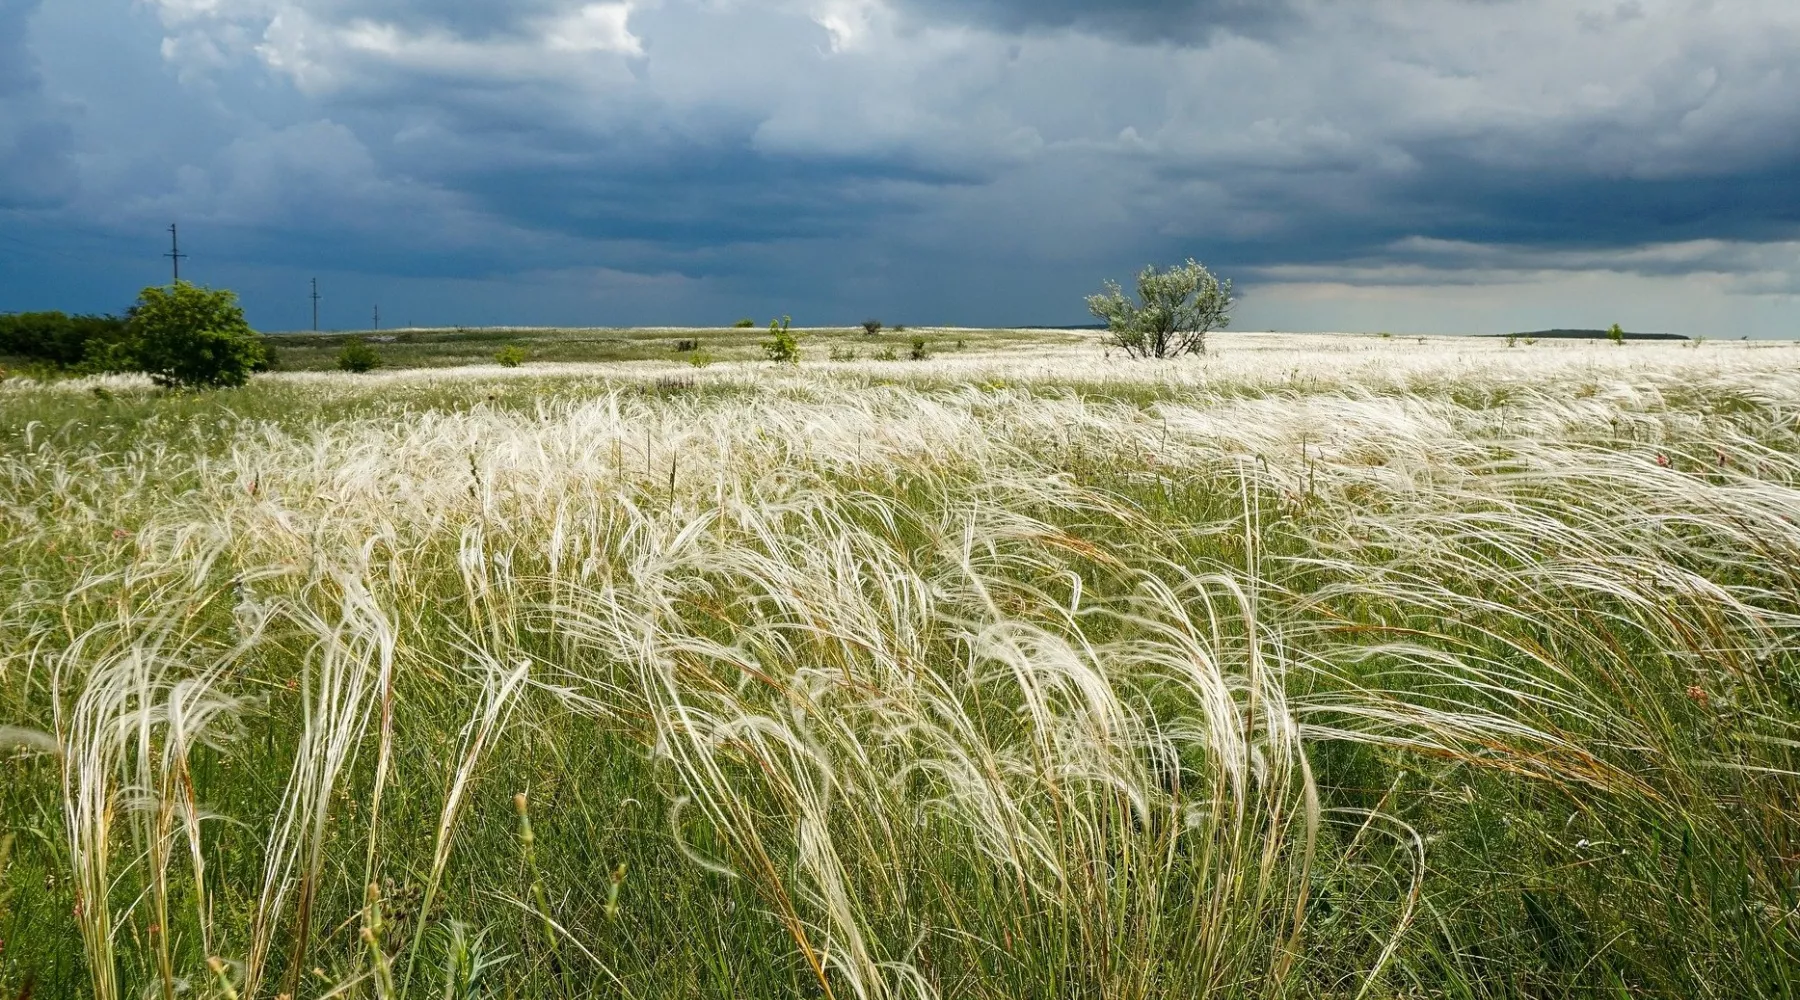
185,336
1175,310
1616,335
783,346
59,339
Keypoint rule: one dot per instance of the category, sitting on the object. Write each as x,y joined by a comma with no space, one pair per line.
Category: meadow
461,346
1317,667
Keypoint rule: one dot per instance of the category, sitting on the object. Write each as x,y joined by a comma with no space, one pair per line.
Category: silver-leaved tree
1175,310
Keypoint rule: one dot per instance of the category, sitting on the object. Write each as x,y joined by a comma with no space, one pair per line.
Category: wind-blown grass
1452,670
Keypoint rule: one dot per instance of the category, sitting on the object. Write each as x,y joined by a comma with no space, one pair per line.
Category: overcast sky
1406,165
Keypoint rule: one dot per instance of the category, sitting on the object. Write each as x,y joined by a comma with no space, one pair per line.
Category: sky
1414,166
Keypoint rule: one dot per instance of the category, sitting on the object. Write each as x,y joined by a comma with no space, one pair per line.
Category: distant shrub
887,354
783,346
871,326
700,358
686,344
921,349
59,339
745,323
843,354
511,356
358,356
1512,340
187,337
1174,311
1616,334
900,328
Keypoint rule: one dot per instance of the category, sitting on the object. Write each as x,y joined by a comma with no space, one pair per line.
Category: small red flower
1662,460
1698,695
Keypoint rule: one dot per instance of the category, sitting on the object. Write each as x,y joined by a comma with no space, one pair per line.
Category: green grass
1411,674
477,346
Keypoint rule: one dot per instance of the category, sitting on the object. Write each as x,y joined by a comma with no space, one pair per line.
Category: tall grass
1452,675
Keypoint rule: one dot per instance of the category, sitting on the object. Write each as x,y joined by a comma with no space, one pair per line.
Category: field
433,348
1319,667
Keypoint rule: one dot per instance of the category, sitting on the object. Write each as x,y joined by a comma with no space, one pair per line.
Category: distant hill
1590,335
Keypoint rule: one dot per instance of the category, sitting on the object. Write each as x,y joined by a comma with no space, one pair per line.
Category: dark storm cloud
832,148
35,140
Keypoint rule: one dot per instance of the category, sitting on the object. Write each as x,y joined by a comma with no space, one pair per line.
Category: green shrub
358,356
1174,311
745,323
511,356
843,354
887,354
188,337
783,346
921,349
871,326
700,358
59,339
686,344
1616,334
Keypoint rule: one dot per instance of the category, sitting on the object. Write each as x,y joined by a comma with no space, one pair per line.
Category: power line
175,255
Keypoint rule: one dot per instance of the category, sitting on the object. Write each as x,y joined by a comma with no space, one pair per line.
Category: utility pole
315,298
378,317
175,253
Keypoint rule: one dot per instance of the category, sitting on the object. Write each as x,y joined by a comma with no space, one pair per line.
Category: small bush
511,356
700,358
871,326
358,356
887,354
686,344
783,346
185,336
843,354
1616,334
745,323
921,349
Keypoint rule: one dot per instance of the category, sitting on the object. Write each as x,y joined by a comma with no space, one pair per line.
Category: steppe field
1318,667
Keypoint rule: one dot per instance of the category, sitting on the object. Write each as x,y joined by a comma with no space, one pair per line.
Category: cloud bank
691,160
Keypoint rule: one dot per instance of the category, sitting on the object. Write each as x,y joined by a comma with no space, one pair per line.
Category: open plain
1320,666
